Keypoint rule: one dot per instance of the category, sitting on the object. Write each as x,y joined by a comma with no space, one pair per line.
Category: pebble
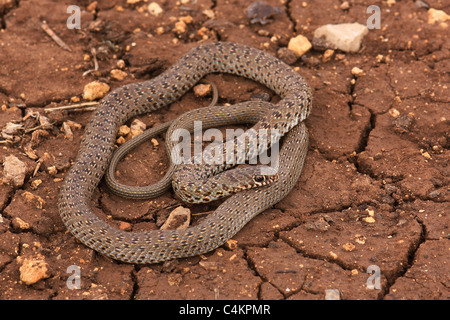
95,90
332,294
345,5
300,45
35,184
20,224
180,27
33,269
357,71
369,219
403,123
421,4
435,15
137,127
120,64
348,246
178,219
231,244
202,90
346,36
327,55
30,198
209,13
14,171
125,226
118,74
287,56
154,142
124,130
154,9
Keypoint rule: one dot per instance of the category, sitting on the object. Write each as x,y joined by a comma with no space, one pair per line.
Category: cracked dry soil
374,189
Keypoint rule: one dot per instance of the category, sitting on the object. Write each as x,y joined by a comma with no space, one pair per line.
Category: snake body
133,99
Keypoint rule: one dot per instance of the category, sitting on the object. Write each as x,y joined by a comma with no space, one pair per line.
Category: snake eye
258,179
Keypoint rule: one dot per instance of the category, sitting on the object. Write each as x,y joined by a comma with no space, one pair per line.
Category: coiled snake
120,105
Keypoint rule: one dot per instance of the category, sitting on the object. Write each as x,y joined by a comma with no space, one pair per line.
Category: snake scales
120,105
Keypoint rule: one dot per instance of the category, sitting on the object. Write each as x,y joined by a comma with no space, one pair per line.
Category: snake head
223,184
266,176
255,176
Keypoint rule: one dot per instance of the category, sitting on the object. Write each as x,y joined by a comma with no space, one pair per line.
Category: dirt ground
374,190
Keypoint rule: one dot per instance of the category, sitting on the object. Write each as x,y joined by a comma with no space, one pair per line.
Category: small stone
120,140
300,45
346,36
394,112
118,74
209,13
345,5
287,56
20,224
357,71
437,16
33,269
154,9
390,3
202,90
231,244
52,170
125,226
124,130
178,219
403,123
421,4
137,127
154,142
369,219
333,255
14,171
33,199
332,294
426,155
95,90
327,55
120,64
348,247
160,30
187,19
180,27
360,239
35,184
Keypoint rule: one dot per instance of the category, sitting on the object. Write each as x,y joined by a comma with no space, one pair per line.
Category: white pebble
14,171
154,9
346,36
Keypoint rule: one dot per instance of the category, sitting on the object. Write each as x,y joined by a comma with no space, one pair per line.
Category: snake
97,147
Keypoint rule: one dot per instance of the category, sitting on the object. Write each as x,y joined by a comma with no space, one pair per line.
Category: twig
94,56
74,106
53,35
